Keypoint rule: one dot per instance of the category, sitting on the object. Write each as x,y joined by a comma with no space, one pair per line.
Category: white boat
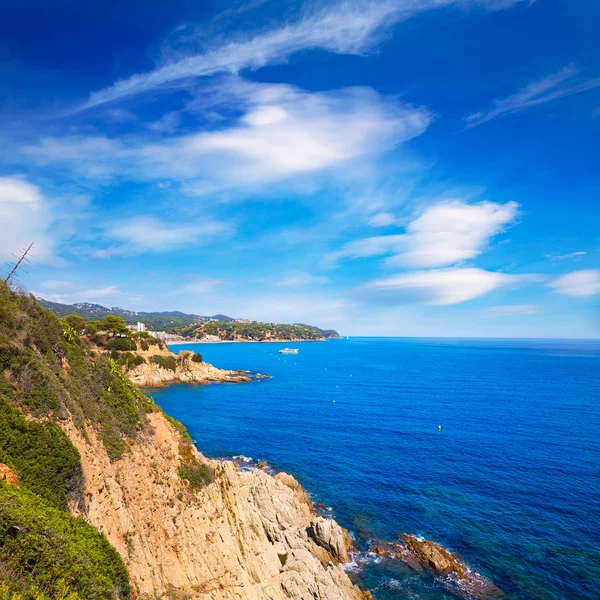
288,351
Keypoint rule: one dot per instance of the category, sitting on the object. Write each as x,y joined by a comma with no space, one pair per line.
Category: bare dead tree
23,258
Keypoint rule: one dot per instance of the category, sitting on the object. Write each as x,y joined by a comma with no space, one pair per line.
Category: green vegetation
197,357
252,331
114,325
40,453
49,373
197,474
76,322
166,362
156,321
46,553
121,344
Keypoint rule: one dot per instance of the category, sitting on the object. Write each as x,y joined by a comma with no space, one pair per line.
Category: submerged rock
453,574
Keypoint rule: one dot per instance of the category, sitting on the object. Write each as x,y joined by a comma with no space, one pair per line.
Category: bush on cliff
197,474
121,344
47,553
197,357
40,453
165,362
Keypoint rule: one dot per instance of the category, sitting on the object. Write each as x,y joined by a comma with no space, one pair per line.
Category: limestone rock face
433,557
242,537
8,475
329,535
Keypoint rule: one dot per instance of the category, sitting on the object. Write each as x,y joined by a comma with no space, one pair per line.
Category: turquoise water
511,483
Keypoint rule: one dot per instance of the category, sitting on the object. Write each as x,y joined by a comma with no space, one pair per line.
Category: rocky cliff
183,370
78,439
245,535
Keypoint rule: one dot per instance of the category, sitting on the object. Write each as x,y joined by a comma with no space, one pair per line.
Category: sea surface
511,483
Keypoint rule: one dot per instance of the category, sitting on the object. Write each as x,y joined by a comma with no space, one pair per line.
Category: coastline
195,341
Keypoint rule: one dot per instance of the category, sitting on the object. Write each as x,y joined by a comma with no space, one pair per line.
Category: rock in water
329,535
8,475
433,557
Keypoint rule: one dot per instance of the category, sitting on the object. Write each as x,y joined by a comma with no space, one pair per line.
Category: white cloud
552,87
383,219
570,255
300,279
578,284
201,285
348,27
444,234
147,234
445,286
510,310
282,132
57,284
25,217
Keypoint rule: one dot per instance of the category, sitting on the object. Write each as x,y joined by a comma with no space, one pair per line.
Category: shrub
197,357
49,554
121,344
145,346
78,323
197,474
165,362
40,453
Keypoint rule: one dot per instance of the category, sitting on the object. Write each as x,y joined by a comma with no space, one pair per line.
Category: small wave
242,458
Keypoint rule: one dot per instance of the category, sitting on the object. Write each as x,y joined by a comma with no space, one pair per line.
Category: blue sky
384,167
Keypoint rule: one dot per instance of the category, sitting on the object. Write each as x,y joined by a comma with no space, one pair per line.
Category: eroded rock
8,475
329,535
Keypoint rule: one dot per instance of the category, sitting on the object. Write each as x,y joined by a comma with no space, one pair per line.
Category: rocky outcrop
433,557
425,555
243,536
150,374
329,535
8,475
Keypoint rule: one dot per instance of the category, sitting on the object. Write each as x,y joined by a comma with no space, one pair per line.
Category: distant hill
190,325
159,321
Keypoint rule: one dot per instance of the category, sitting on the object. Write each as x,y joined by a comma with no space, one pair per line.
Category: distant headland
176,326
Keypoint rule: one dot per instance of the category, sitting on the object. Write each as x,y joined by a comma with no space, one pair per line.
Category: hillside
104,497
157,321
254,331
195,326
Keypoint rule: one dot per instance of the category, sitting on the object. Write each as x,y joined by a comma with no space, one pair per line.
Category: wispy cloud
578,284
281,131
552,87
438,286
382,219
444,234
300,279
148,234
568,256
509,310
348,27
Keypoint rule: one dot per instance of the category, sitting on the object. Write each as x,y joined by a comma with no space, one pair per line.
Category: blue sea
511,482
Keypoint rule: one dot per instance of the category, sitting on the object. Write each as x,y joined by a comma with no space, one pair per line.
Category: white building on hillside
140,327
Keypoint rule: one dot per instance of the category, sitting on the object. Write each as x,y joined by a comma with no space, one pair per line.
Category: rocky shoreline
246,535
150,374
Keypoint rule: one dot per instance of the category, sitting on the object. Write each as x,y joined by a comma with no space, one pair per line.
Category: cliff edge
245,535
104,497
